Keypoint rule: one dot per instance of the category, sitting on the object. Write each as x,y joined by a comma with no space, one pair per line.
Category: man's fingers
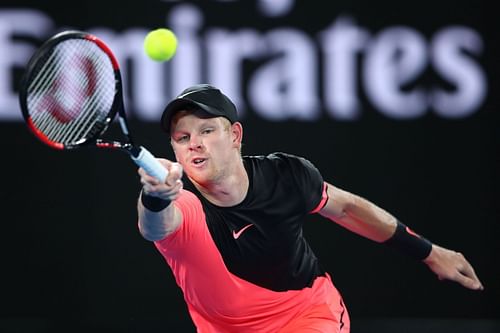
175,191
146,178
468,282
453,266
169,189
462,273
465,269
471,276
175,172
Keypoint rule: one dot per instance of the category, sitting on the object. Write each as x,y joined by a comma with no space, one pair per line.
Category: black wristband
407,241
154,204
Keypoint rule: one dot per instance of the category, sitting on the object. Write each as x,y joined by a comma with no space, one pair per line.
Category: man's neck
228,191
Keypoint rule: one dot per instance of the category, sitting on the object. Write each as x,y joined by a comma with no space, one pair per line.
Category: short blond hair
226,123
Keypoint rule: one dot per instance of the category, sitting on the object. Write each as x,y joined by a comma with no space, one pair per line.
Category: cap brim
180,104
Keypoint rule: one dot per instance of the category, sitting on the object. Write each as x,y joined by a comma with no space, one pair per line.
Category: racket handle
150,164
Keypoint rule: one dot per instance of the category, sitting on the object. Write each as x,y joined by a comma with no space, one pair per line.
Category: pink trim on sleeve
324,199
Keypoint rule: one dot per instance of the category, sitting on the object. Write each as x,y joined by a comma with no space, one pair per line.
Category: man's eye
207,130
182,138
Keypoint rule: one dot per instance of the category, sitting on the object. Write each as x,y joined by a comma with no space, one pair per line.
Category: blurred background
396,101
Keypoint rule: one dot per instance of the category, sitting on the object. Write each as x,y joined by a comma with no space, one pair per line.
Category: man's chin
197,176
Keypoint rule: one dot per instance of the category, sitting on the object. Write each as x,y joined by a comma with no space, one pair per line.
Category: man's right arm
158,217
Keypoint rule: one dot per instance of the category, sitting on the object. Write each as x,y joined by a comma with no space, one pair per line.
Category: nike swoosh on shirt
237,235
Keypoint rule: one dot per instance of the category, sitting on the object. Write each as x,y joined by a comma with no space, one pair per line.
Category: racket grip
150,164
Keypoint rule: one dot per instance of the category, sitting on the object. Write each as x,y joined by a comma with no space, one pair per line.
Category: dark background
73,260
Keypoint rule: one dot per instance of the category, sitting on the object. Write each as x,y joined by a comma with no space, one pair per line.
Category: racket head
71,90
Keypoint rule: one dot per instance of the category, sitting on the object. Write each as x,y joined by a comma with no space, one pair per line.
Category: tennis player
231,230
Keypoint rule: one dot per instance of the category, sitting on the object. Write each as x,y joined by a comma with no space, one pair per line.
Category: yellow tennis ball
160,44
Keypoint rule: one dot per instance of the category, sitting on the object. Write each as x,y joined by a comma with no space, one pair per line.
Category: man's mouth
198,161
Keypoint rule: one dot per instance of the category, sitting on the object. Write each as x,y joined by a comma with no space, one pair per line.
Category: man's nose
195,143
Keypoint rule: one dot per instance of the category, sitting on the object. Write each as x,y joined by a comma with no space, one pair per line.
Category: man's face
205,147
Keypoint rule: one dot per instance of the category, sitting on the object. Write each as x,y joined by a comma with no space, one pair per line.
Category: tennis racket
70,93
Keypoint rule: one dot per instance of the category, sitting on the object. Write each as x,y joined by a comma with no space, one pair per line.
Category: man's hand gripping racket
71,92
166,190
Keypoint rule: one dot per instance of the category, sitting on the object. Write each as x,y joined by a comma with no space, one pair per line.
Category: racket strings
70,96
86,119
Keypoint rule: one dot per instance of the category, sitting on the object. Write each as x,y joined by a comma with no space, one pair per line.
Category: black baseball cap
203,96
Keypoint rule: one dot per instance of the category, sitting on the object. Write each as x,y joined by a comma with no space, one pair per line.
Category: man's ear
237,133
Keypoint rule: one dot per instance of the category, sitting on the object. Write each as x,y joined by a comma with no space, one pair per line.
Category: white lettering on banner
186,21
273,8
229,50
282,73
467,77
394,59
270,8
143,82
285,87
342,43
16,53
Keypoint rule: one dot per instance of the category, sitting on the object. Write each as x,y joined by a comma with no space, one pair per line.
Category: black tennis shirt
261,239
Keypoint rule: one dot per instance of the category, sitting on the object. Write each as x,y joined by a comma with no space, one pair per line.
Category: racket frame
117,106
141,156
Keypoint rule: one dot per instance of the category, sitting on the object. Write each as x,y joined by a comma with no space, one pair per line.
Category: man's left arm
370,221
